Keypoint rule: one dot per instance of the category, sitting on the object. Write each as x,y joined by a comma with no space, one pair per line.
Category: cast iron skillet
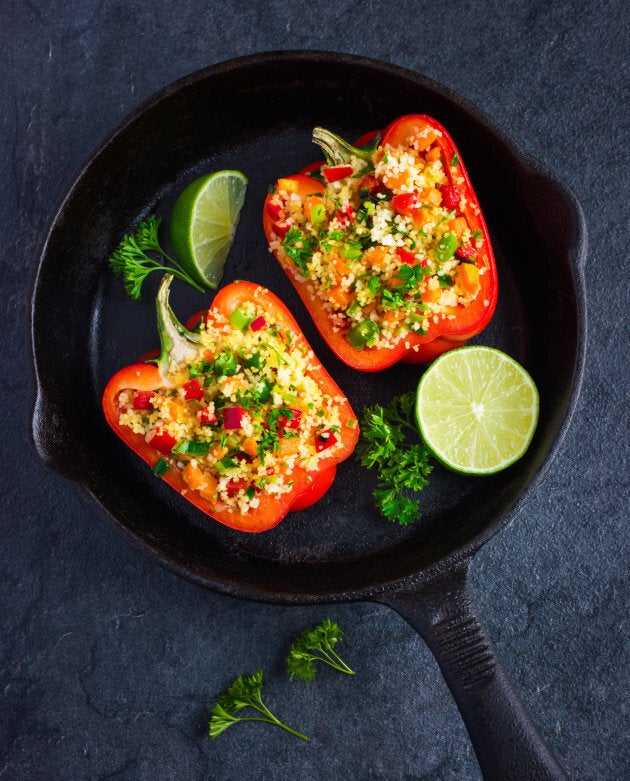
256,114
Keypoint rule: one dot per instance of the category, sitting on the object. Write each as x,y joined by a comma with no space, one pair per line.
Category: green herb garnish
316,645
299,248
244,692
402,466
131,261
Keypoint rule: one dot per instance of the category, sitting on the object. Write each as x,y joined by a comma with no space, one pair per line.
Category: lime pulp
476,409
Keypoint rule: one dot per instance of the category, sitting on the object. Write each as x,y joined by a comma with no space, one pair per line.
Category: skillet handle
506,741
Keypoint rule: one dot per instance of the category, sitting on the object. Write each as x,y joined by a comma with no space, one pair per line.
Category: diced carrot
393,316
288,446
193,476
209,491
374,255
217,452
431,295
339,297
369,308
458,226
424,141
340,266
433,154
250,447
431,196
468,277
208,356
396,182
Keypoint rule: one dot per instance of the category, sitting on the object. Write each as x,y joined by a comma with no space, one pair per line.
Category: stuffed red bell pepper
386,244
240,418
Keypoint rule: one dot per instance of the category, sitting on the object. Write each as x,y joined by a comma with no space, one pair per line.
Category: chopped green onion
364,334
188,447
161,467
226,463
446,247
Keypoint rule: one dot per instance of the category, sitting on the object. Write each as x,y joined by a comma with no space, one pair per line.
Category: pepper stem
338,151
177,342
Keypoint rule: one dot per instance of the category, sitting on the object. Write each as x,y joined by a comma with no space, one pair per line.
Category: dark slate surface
108,663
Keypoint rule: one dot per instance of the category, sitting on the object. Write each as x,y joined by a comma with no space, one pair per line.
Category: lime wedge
203,224
476,410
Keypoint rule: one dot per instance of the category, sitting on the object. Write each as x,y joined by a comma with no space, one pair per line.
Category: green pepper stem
337,150
177,342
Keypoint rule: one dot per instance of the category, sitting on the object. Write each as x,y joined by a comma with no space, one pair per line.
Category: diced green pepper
240,319
318,213
446,247
364,334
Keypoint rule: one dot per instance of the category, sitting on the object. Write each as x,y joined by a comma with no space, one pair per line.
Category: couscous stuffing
383,240
240,412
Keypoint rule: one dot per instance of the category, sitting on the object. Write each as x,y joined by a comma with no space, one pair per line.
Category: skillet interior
256,115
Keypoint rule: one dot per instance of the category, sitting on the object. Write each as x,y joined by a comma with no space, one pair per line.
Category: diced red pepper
405,203
207,417
290,422
346,215
451,196
233,418
324,440
258,323
274,209
234,486
161,440
466,251
193,390
281,228
406,256
370,183
142,400
337,172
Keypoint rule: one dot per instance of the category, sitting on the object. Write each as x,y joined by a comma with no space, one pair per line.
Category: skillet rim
460,553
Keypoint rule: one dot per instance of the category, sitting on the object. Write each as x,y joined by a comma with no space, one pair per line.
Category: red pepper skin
442,335
308,487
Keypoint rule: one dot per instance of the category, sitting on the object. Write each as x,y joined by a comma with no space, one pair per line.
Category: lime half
203,224
476,409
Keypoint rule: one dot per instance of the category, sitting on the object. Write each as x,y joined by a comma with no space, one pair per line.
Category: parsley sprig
403,467
244,692
131,261
312,645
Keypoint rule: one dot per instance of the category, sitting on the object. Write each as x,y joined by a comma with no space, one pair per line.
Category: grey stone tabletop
109,664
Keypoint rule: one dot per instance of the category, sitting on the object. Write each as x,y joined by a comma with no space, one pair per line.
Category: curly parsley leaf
299,248
131,261
244,692
403,467
316,644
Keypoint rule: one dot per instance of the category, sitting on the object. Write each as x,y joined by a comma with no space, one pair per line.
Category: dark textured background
108,663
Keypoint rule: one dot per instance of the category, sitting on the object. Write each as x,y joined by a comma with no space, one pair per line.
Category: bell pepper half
386,244
231,428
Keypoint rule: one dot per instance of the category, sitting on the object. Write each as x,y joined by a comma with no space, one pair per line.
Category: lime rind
203,224
477,410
